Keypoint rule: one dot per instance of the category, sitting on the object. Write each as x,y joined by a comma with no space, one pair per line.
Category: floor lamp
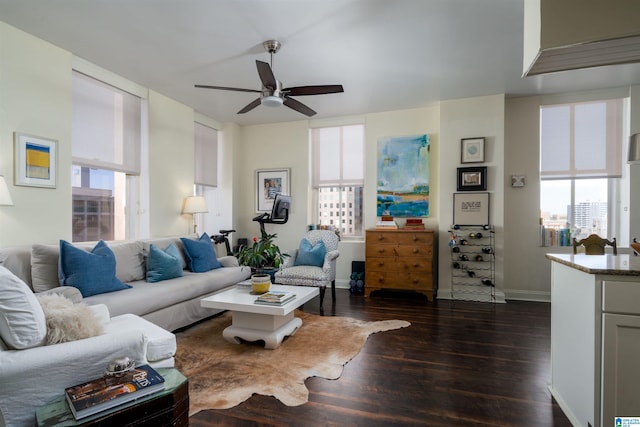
194,205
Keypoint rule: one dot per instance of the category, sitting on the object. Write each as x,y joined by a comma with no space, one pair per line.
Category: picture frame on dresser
471,208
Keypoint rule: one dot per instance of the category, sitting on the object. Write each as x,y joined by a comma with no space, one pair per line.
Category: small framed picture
36,160
472,179
472,150
270,182
471,208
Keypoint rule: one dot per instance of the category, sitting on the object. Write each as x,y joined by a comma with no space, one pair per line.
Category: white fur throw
68,321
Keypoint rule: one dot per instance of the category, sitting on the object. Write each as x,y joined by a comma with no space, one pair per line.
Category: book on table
107,392
275,298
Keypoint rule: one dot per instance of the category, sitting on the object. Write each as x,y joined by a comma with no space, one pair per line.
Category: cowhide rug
222,375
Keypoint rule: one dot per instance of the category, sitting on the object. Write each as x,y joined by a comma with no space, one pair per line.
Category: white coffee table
253,322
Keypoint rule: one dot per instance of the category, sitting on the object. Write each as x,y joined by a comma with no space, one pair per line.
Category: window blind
582,140
106,126
337,156
206,155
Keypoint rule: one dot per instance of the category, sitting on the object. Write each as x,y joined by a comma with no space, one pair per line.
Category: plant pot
260,283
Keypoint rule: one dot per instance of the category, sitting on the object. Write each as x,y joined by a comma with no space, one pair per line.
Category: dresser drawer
381,250
399,280
414,251
407,238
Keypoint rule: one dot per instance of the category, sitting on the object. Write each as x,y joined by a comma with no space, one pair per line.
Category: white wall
470,118
35,98
527,271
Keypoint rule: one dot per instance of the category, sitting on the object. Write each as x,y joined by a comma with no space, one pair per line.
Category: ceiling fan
272,93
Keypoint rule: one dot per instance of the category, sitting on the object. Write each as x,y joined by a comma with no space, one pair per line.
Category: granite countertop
621,265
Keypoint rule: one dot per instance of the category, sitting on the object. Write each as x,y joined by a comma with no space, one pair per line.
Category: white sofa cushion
161,344
22,322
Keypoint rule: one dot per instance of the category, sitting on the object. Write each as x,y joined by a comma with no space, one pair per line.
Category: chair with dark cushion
313,263
594,245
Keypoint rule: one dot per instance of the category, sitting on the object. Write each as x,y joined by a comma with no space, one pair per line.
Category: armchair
292,272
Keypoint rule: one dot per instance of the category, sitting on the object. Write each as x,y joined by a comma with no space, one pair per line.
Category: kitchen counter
617,265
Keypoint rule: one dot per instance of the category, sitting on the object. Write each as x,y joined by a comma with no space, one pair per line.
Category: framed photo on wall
270,182
36,160
472,179
471,208
472,150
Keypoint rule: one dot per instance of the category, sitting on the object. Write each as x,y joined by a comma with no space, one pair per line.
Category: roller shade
206,155
106,126
582,140
338,156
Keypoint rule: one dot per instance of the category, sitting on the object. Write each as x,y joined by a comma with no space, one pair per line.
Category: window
106,135
206,174
581,168
338,175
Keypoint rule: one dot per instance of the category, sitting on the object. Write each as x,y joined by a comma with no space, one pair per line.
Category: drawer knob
415,238
380,264
380,279
380,237
416,250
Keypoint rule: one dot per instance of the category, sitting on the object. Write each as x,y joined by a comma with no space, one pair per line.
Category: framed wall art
472,179
471,208
472,150
270,182
36,160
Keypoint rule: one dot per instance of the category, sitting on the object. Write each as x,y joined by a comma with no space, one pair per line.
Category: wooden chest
399,259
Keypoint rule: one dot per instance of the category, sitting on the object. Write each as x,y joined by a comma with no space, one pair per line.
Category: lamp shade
634,149
194,205
5,197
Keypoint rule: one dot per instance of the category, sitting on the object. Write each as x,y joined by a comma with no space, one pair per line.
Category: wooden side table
166,408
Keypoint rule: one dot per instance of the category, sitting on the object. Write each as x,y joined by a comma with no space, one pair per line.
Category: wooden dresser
399,259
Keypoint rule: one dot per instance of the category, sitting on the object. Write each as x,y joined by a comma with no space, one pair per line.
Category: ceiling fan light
271,101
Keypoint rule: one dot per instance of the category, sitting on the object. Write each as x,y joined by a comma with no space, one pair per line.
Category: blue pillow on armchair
91,272
311,255
200,254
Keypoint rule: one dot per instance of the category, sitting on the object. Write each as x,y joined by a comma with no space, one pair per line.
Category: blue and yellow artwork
403,176
38,159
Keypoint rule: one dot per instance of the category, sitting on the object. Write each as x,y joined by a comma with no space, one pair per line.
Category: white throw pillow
22,323
68,321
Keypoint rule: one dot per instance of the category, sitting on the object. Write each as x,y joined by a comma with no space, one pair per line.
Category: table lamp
5,196
195,205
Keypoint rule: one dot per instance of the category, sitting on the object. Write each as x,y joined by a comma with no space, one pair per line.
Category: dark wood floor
458,364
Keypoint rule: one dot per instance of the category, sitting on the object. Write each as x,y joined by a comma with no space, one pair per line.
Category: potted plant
263,256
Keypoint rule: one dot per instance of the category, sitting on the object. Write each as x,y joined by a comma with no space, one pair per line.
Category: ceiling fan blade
313,90
236,89
266,75
253,104
298,106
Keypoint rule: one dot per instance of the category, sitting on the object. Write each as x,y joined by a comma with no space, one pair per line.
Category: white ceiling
388,55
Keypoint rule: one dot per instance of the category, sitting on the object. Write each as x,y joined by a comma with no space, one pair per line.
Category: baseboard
537,296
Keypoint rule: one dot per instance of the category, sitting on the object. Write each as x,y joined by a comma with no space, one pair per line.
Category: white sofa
136,322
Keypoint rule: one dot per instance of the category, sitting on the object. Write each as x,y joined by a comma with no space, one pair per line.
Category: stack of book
386,223
110,391
275,298
413,224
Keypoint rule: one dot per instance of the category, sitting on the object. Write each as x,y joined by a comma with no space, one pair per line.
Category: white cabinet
620,350
595,337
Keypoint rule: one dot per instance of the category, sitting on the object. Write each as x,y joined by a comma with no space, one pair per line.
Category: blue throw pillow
200,254
311,255
163,264
91,272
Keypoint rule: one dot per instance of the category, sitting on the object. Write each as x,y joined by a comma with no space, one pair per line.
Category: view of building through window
341,207
586,215
98,204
